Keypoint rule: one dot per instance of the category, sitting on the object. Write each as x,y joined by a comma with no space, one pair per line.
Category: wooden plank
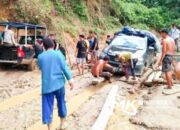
72,105
157,76
141,81
150,78
107,110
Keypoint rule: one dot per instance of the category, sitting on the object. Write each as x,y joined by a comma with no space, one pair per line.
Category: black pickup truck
25,53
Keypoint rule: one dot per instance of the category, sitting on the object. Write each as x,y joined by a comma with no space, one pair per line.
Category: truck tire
32,65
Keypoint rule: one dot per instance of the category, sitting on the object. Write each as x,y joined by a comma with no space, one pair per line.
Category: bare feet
168,87
110,81
63,126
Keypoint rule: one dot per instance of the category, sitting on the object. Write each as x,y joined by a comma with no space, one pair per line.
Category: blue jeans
48,105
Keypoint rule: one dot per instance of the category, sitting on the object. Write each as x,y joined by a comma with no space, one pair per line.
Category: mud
86,115
160,112
22,116
15,83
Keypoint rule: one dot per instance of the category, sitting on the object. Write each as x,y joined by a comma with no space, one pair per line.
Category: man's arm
97,71
13,40
66,72
77,49
164,48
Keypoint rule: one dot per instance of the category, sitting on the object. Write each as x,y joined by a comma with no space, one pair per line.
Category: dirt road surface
141,116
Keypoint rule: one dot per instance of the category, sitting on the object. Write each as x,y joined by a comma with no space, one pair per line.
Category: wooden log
107,110
149,79
161,81
155,76
141,81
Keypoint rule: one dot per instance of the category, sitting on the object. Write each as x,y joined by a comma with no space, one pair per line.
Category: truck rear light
20,52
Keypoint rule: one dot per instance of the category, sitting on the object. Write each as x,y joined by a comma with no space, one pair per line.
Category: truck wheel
32,65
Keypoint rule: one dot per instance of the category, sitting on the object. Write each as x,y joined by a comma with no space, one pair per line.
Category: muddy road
20,104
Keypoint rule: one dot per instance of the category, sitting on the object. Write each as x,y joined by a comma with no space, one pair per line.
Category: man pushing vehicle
127,62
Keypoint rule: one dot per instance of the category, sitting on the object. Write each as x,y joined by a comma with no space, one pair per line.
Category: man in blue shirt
54,72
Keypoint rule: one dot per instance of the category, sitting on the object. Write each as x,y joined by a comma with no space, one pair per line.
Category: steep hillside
79,16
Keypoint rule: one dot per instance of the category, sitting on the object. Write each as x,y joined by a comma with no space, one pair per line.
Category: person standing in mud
54,70
166,60
81,49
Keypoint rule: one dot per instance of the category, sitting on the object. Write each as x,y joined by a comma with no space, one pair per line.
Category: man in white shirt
175,34
9,37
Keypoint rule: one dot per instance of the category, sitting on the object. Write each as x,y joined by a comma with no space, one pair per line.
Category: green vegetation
145,13
104,15
79,8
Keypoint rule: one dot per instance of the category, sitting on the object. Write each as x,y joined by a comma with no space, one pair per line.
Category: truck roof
19,25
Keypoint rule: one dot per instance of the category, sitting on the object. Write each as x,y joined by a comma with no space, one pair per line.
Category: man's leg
47,109
169,79
106,76
132,66
79,66
83,62
125,70
166,67
62,110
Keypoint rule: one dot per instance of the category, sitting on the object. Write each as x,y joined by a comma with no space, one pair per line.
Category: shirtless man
168,47
100,65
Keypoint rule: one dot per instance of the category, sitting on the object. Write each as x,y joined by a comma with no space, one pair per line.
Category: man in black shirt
81,54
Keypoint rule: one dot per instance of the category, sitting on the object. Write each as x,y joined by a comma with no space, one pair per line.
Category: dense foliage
147,13
101,14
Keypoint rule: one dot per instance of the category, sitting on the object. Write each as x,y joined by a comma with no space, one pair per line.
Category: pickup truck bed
17,55
8,53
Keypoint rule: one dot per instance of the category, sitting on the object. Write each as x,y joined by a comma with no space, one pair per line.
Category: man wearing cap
80,54
54,70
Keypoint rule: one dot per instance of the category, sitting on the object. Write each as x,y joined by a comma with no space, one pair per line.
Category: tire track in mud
32,90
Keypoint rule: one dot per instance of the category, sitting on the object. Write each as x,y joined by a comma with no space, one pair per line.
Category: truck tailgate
8,53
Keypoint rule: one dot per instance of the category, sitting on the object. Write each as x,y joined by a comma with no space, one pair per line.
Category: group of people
86,46
55,70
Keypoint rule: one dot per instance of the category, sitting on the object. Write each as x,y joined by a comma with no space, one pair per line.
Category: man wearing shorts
168,47
81,49
54,70
98,69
